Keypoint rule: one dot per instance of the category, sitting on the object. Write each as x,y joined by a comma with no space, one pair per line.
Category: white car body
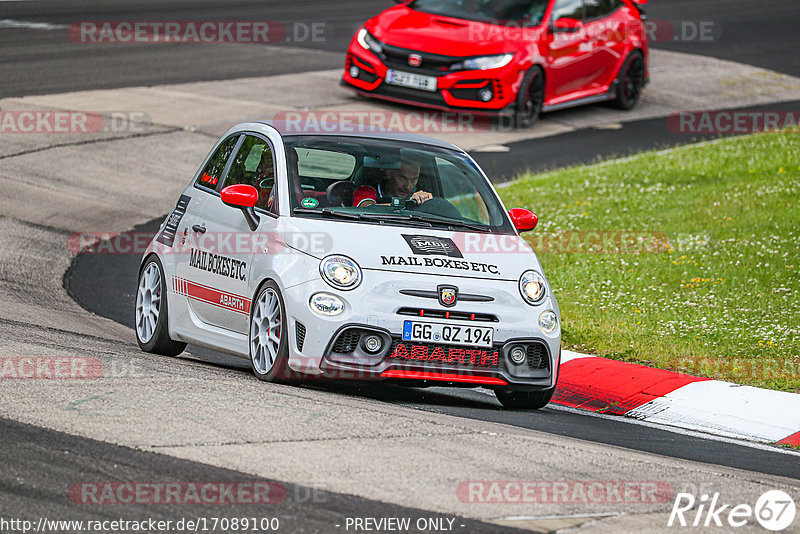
212,280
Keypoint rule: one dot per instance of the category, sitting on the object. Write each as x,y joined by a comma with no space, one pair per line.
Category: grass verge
687,259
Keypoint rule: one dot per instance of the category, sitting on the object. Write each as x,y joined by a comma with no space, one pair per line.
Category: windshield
529,12
382,181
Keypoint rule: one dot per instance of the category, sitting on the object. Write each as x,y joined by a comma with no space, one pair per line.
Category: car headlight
485,62
368,42
532,287
548,322
340,272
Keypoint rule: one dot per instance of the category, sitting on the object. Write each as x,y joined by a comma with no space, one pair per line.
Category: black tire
524,400
159,341
277,370
530,98
630,82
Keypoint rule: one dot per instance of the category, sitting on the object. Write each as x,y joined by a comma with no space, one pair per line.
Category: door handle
199,229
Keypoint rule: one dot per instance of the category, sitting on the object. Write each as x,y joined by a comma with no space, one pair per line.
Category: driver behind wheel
402,183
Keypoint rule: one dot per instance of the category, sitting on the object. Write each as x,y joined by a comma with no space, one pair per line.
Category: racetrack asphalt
42,468
106,283
41,62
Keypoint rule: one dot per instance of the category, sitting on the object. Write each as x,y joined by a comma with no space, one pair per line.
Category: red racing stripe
613,387
212,296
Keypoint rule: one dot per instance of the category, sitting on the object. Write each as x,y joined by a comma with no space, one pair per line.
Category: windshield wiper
327,211
405,217
422,219
362,216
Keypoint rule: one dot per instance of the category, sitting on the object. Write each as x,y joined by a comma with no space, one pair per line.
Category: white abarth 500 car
362,255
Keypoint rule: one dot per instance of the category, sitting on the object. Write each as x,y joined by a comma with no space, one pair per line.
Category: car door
222,260
187,235
605,27
568,52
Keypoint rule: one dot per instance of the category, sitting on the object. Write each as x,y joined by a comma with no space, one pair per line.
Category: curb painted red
613,387
675,399
794,440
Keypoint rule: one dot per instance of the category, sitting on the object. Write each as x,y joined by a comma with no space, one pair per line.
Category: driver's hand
421,197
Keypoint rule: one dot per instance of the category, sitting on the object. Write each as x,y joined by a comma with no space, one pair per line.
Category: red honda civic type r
513,58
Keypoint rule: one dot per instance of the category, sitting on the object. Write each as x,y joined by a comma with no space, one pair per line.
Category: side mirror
566,25
524,220
244,197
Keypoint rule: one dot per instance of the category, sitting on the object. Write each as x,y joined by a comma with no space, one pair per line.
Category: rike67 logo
774,510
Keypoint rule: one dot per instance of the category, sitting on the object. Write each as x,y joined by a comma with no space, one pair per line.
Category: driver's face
402,182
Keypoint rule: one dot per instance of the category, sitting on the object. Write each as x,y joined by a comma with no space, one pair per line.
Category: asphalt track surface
46,61
106,285
35,61
40,466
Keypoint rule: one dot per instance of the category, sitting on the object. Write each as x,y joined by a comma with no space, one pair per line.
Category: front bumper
456,91
313,336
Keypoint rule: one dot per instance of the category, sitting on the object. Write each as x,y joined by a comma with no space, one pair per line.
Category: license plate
448,334
409,79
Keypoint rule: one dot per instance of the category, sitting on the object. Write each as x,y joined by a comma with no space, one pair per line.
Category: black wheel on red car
631,81
268,338
530,98
524,400
152,319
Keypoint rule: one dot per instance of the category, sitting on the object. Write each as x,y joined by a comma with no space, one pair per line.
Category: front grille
445,314
347,342
414,95
434,354
432,64
537,356
300,329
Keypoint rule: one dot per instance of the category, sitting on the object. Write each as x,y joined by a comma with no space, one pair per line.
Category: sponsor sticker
309,202
431,245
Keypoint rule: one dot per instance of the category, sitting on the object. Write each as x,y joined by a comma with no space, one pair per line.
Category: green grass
716,290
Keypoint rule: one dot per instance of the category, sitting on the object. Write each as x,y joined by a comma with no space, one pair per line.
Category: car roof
359,131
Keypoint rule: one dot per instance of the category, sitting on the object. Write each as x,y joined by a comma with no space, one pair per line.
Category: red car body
581,58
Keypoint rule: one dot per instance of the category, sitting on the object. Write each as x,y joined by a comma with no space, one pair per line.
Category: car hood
414,250
405,28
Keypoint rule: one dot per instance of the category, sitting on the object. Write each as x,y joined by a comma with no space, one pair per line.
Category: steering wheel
341,193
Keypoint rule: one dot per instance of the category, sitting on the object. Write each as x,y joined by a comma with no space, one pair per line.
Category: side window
569,9
253,165
212,173
596,9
